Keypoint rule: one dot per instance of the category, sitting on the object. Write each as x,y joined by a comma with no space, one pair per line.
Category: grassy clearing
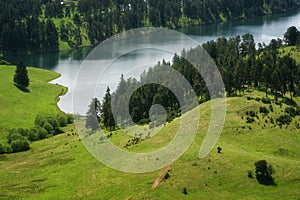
295,53
61,167
18,108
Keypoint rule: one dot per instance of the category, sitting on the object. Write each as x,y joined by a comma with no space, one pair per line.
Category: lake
68,64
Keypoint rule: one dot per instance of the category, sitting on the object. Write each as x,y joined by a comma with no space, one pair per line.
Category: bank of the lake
68,63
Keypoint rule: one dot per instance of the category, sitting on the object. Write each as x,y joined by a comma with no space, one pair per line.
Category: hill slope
61,167
18,108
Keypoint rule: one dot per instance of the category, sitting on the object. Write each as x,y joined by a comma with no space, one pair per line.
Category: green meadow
61,167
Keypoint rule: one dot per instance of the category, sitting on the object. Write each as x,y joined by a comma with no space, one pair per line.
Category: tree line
105,18
37,26
243,64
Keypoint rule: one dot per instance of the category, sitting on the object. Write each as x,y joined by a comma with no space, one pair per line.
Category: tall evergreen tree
92,120
21,75
106,111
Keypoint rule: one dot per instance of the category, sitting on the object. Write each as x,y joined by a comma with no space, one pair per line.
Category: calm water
68,63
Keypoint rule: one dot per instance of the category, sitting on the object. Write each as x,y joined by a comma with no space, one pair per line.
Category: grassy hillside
60,167
18,108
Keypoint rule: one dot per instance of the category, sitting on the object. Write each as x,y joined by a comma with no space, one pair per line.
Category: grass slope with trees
61,167
256,157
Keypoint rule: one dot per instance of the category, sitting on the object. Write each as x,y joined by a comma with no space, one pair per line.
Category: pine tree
92,120
106,111
21,76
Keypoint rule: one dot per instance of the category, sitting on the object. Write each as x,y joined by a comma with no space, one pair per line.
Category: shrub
284,119
2,149
264,110
40,120
271,108
33,134
70,118
250,175
144,121
250,120
266,100
251,113
13,135
42,133
185,191
264,172
53,122
23,132
48,127
21,144
61,119
291,111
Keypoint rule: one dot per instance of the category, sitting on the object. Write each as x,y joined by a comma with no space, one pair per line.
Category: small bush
264,110
284,119
62,119
2,149
48,127
185,191
250,120
251,113
263,172
219,149
19,145
266,100
257,99
250,174
70,118
291,111
13,135
271,108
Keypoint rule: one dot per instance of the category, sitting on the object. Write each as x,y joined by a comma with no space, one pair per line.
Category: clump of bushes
251,113
19,139
266,100
263,110
250,120
292,111
263,172
284,119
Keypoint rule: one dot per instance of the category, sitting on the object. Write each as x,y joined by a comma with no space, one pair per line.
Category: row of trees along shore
241,64
38,26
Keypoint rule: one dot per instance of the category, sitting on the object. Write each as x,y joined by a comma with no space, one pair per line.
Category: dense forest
37,26
241,64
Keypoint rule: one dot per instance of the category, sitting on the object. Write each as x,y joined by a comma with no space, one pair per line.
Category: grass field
61,167
18,108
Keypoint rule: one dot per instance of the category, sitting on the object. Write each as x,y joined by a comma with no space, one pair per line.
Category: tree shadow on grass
23,89
266,180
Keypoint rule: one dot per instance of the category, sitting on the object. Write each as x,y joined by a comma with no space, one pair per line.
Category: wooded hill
37,26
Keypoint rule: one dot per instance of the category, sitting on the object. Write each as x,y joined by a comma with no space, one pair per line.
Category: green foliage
266,100
291,36
264,173
48,127
106,111
92,120
21,76
250,120
251,113
264,110
284,119
20,144
62,119
292,111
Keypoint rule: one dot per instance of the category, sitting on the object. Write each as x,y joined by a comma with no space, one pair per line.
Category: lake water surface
68,63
